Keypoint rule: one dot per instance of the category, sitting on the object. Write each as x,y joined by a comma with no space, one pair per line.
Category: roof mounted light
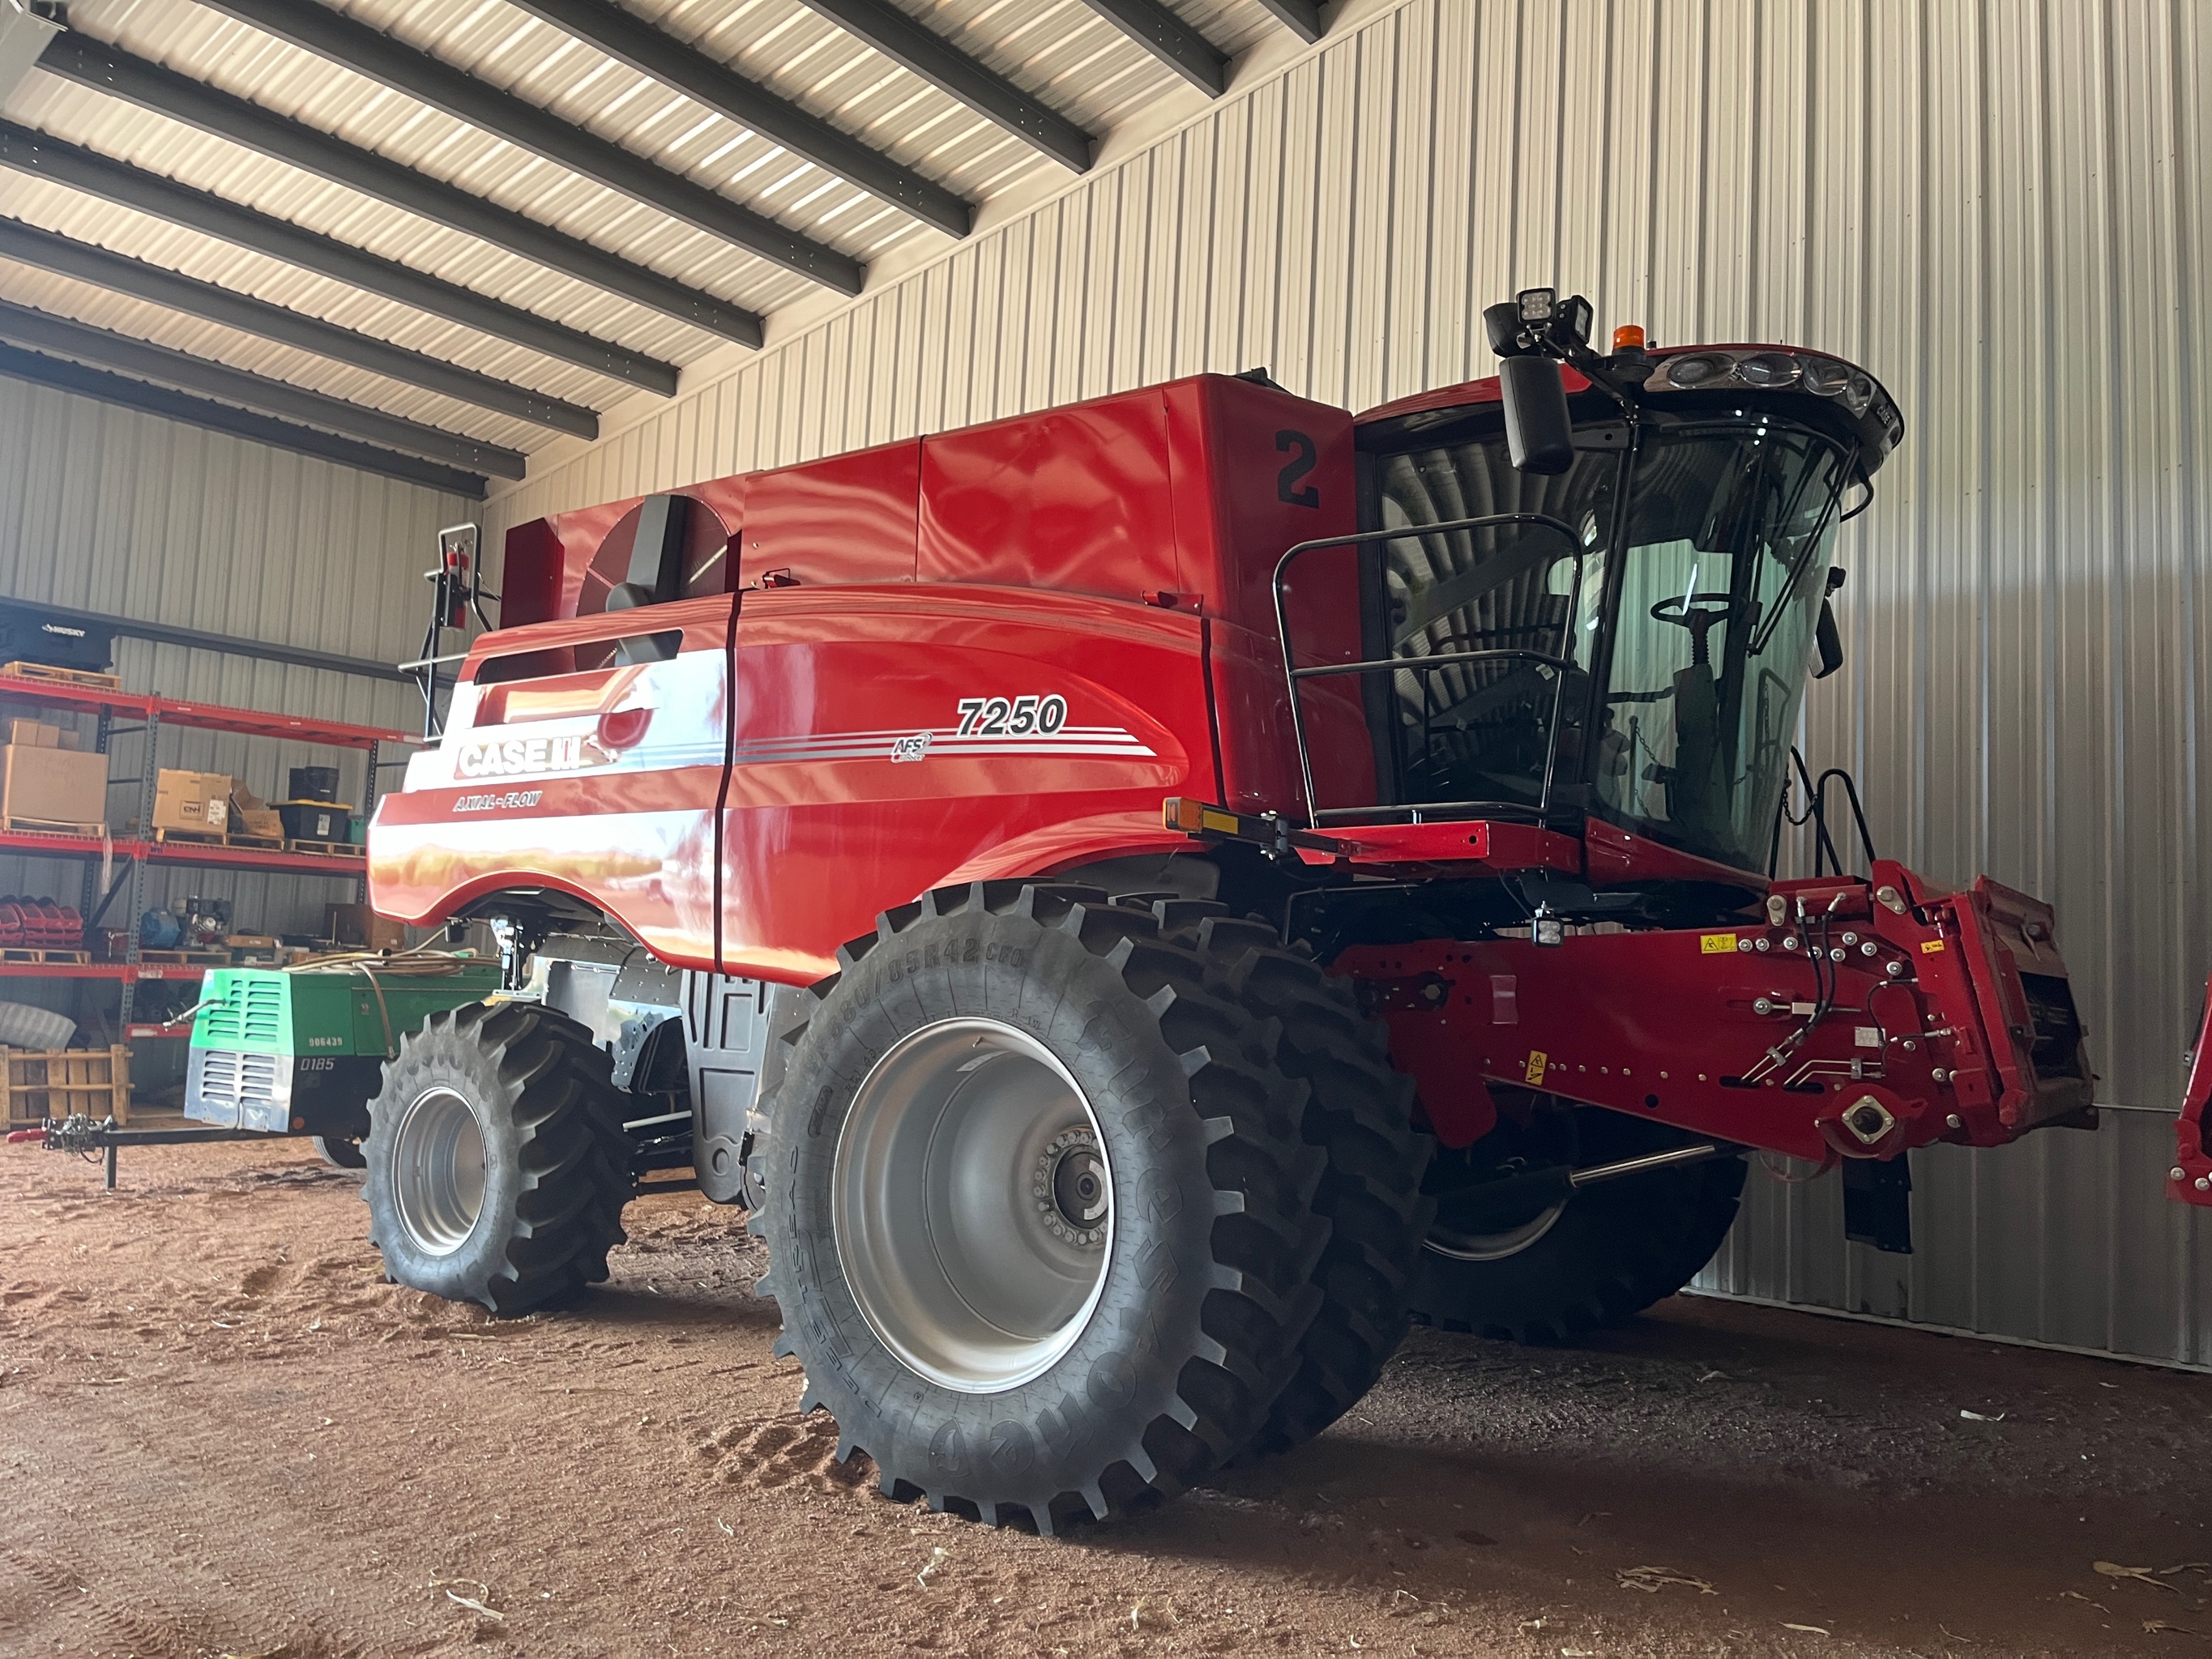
1826,377
1699,369
1767,370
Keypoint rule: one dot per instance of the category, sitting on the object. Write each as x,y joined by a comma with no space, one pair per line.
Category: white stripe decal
877,746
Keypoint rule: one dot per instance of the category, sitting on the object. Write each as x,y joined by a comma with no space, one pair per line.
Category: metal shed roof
619,221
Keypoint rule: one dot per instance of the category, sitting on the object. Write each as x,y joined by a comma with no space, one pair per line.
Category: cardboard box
199,801
252,815
359,925
53,786
31,734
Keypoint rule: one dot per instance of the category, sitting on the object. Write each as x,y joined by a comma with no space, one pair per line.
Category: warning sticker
1714,944
1537,1060
1930,947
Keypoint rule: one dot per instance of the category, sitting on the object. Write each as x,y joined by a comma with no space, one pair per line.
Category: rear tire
997,1336
1604,1254
341,1152
497,1164
1359,1112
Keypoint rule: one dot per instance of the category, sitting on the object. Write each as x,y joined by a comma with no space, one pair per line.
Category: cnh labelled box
53,786
191,800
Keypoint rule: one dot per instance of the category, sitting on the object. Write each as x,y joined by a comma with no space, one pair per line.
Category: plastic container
308,821
313,783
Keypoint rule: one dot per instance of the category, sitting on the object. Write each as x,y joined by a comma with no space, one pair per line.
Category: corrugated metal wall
105,509
2000,207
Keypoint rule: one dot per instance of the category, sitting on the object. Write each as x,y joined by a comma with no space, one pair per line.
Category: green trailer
299,1051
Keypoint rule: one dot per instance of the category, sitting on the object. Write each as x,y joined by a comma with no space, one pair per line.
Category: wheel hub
971,1201
1070,1188
438,1171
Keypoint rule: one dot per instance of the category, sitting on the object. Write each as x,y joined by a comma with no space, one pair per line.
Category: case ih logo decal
507,758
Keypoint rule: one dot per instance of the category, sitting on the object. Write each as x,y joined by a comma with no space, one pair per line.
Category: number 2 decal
1300,448
1012,717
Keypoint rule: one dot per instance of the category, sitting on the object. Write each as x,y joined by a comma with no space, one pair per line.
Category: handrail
1825,855
1292,674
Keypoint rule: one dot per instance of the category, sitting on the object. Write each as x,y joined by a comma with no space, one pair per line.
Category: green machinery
300,1050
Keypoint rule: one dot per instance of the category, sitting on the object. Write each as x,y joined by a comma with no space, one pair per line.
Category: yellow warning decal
1714,945
1537,1060
1930,947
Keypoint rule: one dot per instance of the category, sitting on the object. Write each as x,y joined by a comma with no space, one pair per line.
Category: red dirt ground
223,1433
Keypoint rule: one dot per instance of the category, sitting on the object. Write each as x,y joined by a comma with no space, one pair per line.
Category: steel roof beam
128,187
1301,17
120,275
912,47
1169,39
431,80
41,330
239,423
630,40
149,86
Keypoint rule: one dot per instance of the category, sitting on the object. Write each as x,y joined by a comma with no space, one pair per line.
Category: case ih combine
1143,899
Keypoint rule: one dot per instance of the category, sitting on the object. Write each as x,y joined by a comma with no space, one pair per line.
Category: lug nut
1955,1121
1894,969
1850,939
1789,943
2177,1173
1866,948
1939,1075
2204,1183
1837,954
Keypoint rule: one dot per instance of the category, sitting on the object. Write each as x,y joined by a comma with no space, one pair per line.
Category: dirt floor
221,1432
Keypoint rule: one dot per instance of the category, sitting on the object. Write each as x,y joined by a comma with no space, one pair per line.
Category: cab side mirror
1539,434
1827,638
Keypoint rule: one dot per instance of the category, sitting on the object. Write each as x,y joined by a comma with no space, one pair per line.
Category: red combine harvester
1344,850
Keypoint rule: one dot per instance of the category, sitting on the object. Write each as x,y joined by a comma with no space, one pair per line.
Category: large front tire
497,1165
1360,1113
1039,1220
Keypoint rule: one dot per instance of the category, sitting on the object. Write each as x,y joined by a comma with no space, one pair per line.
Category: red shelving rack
137,855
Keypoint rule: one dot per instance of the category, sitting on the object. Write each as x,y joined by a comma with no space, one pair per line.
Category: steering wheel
1697,612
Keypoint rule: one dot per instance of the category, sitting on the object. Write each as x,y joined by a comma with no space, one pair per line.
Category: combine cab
1144,900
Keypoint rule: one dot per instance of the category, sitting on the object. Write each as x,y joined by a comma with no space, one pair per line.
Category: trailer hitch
90,1137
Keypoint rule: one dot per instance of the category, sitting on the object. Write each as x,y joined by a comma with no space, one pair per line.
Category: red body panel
602,784
1117,556
826,826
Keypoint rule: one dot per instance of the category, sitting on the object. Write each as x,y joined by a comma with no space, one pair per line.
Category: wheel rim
971,1203
1447,1241
438,1170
